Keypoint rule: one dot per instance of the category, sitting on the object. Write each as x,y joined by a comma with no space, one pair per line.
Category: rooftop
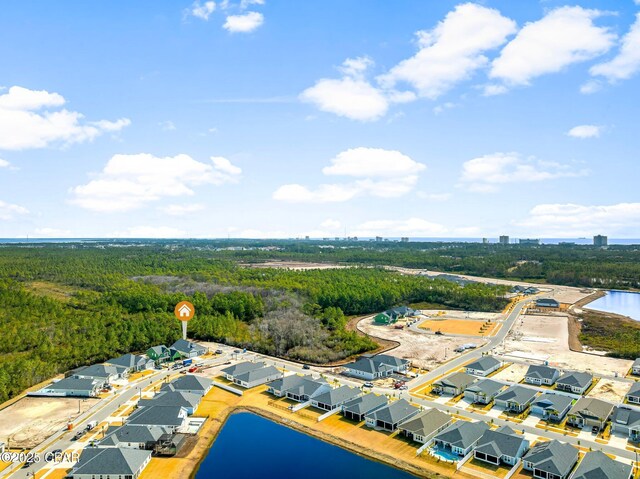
597,465
366,403
110,461
541,372
463,433
501,442
517,394
553,457
592,407
485,363
338,396
394,412
426,422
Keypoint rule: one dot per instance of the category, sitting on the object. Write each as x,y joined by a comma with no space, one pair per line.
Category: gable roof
597,465
501,442
557,402
159,350
592,407
626,416
394,412
172,398
110,460
128,361
298,385
379,363
458,380
186,347
189,382
547,303
156,416
338,396
241,368
258,374
540,372
426,422
486,386
364,404
575,378
463,434
133,434
76,384
634,390
554,457
101,371
485,363
517,394
636,363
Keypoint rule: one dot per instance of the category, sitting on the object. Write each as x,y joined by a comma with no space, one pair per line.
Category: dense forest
66,305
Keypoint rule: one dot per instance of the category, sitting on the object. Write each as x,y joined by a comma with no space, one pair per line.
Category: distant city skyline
265,119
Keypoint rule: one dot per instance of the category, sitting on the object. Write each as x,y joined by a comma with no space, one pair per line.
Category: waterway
250,447
619,302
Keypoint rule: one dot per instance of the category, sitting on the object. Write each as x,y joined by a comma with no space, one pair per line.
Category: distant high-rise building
404,239
485,240
527,241
378,238
504,239
600,241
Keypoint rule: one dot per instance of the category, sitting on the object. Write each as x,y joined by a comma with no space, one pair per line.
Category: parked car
595,430
218,351
306,366
368,384
78,435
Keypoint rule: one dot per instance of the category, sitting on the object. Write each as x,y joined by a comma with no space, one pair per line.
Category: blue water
250,447
445,454
619,302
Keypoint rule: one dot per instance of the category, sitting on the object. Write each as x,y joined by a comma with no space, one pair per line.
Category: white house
502,446
541,375
110,463
483,366
635,369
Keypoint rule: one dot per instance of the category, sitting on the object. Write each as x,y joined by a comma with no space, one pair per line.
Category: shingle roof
547,302
156,416
636,363
592,407
241,368
101,371
426,422
597,465
186,347
553,457
133,434
298,385
501,442
626,416
558,402
159,350
366,403
172,398
486,386
338,396
485,363
575,378
634,390
463,434
189,382
540,372
258,374
458,380
517,394
75,384
110,460
128,361
394,412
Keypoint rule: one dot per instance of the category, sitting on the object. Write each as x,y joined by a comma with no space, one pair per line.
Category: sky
283,118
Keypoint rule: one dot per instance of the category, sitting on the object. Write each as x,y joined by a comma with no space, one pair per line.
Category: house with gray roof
501,446
375,367
626,421
72,387
298,388
590,412
550,460
358,408
461,437
633,396
515,398
483,366
552,407
483,392
188,349
335,398
453,384
189,401
597,465
256,377
110,463
547,304
541,375
133,437
133,362
106,373
171,417
240,368
423,426
189,383
574,382
635,367
391,415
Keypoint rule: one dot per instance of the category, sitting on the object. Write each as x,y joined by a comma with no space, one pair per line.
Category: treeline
619,337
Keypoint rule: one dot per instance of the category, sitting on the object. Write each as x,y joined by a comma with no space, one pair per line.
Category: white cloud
412,227
244,4
452,51
151,232
202,10
627,62
4,163
486,173
380,173
590,87
493,90
573,220
564,36
128,182
8,211
244,23
167,125
181,210
585,131
52,233
28,120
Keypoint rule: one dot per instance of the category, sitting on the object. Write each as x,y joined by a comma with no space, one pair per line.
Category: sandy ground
546,338
31,420
610,390
513,373
460,326
424,350
451,314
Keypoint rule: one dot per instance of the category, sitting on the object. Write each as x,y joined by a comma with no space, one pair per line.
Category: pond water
619,302
250,447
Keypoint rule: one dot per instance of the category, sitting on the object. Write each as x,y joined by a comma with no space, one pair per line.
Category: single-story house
189,383
531,290
335,398
633,396
298,388
483,392
189,401
162,354
575,382
635,368
256,377
234,370
73,387
102,372
541,375
358,408
547,304
133,362
590,412
453,384
392,315
483,366
379,366
515,398
502,446
132,437
626,420
171,417
550,460
423,426
110,463
391,415
188,349
596,464
553,407
461,437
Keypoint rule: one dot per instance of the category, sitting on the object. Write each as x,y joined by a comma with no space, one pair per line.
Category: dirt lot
546,338
424,350
513,373
31,420
610,390
465,327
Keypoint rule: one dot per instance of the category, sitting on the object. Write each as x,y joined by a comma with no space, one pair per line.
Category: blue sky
281,118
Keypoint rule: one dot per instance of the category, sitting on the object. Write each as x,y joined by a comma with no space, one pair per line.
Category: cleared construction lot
464,327
31,420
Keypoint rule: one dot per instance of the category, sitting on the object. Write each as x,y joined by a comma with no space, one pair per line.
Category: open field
465,327
31,420
57,291
513,373
610,390
294,265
